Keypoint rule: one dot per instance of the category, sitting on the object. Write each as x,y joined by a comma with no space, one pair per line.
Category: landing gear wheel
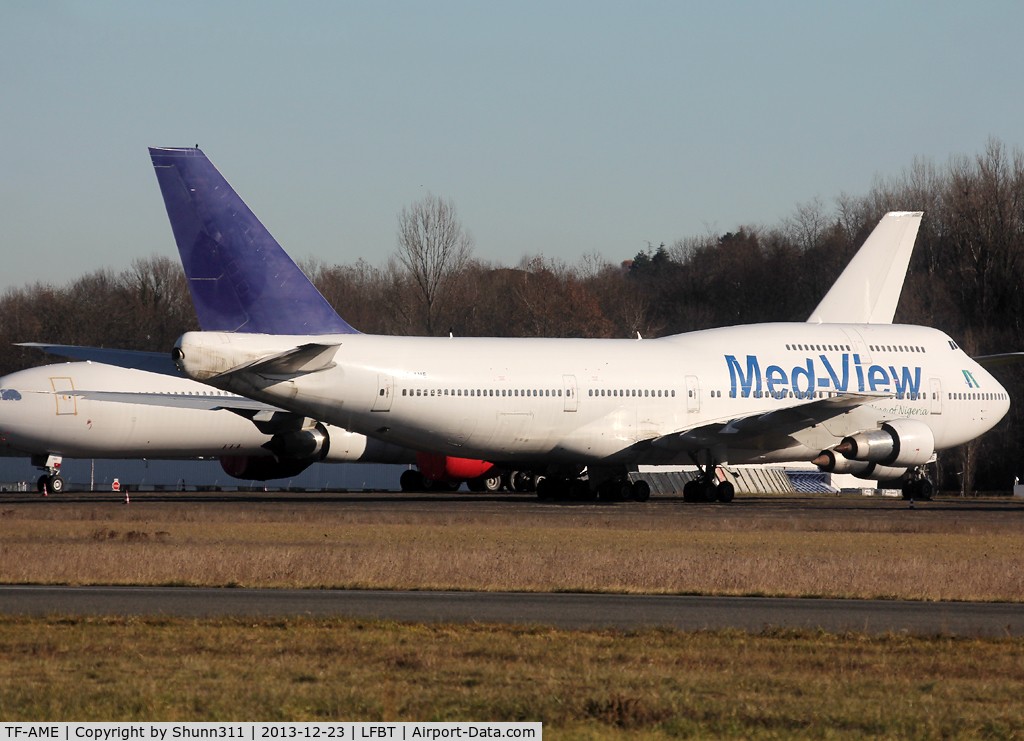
920,489
56,485
411,480
615,491
43,484
926,490
545,490
700,490
726,492
521,481
641,491
579,490
491,483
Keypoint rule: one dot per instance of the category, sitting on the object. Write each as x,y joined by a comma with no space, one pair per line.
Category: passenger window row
663,393
977,396
485,392
896,348
819,348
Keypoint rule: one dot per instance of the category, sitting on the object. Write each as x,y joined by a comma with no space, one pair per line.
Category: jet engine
446,468
291,452
899,442
263,467
832,462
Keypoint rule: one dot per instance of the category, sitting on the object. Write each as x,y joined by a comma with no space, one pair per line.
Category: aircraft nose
12,414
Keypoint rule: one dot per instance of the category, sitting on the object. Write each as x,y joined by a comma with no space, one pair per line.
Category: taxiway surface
626,612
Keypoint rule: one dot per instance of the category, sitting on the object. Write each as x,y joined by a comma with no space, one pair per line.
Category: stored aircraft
92,410
847,389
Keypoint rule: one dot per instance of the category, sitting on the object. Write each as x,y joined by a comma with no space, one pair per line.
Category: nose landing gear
50,481
917,486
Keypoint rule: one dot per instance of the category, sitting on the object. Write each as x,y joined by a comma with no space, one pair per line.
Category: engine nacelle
899,442
263,467
311,443
343,446
832,462
878,473
445,468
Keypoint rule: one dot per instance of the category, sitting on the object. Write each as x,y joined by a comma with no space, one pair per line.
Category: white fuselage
50,410
615,401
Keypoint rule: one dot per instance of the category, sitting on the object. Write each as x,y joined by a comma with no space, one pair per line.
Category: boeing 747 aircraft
847,389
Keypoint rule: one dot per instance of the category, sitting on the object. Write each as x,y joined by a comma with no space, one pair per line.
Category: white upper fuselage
59,410
609,401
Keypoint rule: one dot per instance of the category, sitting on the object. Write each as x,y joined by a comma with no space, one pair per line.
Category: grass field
913,556
581,684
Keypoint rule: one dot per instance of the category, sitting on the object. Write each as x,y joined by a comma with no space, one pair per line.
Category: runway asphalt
625,612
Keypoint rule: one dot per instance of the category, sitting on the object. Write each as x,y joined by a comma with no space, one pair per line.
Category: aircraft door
857,343
385,390
936,395
692,394
66,403
569,390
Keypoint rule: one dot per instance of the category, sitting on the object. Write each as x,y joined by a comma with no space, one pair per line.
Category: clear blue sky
557,128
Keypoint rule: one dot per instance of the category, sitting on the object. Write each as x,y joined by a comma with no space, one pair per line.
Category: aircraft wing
178,400
154,362
994,361
779,422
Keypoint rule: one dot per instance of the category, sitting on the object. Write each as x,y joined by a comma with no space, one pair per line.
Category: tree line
965,278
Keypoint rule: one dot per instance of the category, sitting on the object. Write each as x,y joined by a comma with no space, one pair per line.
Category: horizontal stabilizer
154,362
868,290
303,359
239,277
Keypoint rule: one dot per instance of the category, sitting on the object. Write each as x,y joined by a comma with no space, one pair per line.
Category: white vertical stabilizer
869,289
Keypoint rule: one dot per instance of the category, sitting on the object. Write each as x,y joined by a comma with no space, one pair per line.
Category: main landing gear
619,489
917,486
707,488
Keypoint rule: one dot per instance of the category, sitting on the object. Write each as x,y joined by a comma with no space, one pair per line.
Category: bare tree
807,224
434,248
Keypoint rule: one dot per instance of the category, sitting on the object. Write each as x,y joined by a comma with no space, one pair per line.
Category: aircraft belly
602,438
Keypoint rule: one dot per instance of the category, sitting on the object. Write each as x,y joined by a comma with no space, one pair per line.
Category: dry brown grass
885,553
580,684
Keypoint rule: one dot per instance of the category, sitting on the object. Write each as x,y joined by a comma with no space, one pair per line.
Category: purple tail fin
240,278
